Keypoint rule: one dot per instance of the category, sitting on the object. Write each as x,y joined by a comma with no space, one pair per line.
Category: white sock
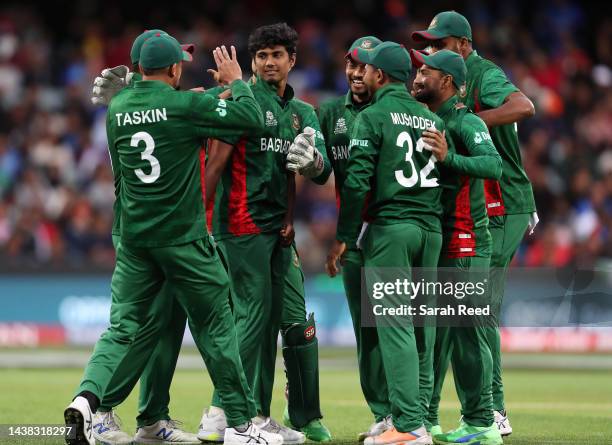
215,411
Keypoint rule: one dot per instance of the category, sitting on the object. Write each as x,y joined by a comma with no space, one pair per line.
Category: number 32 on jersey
404,139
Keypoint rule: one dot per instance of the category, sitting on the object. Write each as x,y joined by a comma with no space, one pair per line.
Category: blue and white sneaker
252,435
107,429
165,432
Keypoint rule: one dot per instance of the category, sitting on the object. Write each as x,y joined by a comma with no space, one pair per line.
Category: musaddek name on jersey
416,122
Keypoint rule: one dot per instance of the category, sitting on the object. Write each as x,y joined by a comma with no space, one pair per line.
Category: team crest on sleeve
270,119
340,126
295,122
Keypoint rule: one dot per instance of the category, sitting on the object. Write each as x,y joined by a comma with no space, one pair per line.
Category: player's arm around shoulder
484,161
507,103
216,117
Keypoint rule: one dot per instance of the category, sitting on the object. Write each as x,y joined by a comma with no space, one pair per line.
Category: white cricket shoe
78,415
272,426
252,436
502,422
107,429
165,432
213,425
377,428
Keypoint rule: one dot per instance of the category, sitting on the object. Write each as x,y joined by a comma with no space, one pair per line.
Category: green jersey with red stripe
252,195
465,222
337,117
487,88
155,137
388,159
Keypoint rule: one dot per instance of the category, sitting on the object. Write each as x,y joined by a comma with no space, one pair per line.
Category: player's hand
228,69
303,157
335,254
109,83
435,141
287,234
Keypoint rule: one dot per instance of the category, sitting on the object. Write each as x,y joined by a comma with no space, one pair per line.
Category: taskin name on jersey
416,122
141,117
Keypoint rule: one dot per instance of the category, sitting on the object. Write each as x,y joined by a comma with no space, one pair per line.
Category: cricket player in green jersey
155,134
250,218
466,245
388,161
510,203
337,117
157,376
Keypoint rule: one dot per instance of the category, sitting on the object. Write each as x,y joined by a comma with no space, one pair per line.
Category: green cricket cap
367,43
138,41
448,62
160,51
390,57
445,24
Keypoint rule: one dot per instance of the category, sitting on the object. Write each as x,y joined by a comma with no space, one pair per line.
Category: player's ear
292,59
380,76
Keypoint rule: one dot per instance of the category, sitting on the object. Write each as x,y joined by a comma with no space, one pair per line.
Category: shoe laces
112,420
172,423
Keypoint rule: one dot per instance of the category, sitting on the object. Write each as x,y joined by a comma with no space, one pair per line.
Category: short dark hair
272,35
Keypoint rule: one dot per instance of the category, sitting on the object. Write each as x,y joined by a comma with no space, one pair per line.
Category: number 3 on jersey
146,155
404,138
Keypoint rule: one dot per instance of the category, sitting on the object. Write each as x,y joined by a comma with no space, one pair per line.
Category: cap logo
366,44
433,23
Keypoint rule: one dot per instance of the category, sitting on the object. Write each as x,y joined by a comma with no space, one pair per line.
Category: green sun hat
390,57
445,24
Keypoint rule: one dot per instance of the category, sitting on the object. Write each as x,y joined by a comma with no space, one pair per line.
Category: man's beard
426,96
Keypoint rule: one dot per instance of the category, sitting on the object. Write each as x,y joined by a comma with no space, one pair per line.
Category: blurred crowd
56,185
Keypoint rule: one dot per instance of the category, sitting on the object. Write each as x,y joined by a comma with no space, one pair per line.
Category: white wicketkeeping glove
109,83
303,157
533,222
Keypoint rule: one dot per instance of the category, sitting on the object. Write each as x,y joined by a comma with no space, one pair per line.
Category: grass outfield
546,407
